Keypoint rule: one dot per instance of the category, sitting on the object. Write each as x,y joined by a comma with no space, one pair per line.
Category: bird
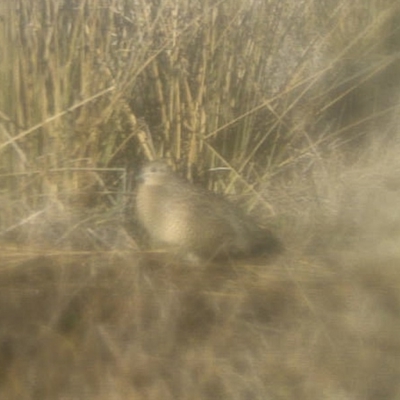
194,221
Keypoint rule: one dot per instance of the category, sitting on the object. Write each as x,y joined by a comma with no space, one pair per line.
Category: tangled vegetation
292,108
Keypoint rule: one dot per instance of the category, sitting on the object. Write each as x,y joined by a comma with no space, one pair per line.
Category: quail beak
140,177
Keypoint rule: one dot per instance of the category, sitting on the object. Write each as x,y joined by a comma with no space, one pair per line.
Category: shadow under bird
194,221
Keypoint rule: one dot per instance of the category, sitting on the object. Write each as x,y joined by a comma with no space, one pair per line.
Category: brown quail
195,221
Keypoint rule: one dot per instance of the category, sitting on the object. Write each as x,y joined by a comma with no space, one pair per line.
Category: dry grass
322,320
117,326
291,105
